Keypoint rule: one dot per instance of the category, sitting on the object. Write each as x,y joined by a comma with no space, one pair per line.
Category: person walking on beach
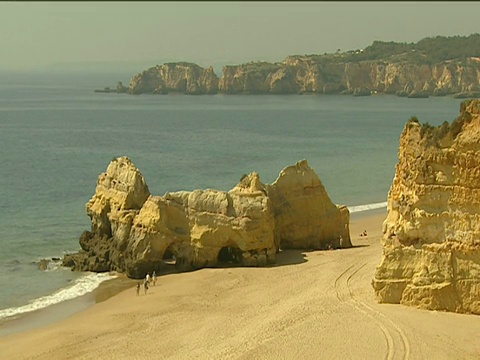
138,288
145,286
147,277
154,278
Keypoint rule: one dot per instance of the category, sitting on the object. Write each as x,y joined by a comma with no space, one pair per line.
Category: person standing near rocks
138,288
154,278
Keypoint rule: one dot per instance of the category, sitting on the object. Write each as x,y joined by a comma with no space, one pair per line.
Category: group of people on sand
146,282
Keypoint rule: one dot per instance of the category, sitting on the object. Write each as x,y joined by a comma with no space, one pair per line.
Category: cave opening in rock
169,260
229,256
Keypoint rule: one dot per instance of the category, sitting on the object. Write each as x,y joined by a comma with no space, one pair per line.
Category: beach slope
310,305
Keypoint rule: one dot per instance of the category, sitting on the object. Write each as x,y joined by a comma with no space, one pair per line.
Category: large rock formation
182,77
136,232
311,74
433,66
431,256
305,216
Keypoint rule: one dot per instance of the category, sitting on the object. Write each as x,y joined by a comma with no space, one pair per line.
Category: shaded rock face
186,78
431,238
136,232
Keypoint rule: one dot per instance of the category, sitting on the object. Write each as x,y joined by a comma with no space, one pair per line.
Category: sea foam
366,207
81,286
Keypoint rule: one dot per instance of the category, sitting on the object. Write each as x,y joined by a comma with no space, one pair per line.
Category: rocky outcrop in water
181,77
431,256
136,232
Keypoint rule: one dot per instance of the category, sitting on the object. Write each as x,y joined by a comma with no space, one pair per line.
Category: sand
311,305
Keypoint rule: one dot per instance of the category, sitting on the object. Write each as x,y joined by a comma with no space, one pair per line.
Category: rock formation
305,216
136,232
120,88
258,78
308,74
182,77
431,256
434,66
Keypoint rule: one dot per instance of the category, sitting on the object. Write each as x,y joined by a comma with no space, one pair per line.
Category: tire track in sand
345,296
404,339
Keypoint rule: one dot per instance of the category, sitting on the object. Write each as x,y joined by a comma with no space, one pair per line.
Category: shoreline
65,309
110,288
308,303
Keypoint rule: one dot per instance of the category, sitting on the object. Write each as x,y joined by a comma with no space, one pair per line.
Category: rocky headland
135,232
432,67
431,242
182,77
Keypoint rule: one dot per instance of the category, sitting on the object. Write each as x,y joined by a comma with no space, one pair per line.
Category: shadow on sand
282,258
289,257
357,246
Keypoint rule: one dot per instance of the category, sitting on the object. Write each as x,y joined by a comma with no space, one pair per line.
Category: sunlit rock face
305,216
431,256
135,232
182,77
203,228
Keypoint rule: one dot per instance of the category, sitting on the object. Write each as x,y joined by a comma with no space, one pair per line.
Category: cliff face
305,75
258,78
136,232
432,231
186,78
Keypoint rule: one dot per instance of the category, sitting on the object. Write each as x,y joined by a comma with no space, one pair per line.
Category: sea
57,135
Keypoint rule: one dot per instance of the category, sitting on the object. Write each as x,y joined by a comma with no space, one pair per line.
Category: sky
36,35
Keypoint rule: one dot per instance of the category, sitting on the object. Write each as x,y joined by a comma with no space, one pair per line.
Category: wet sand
310,305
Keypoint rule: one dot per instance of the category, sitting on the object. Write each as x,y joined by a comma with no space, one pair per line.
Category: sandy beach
310,305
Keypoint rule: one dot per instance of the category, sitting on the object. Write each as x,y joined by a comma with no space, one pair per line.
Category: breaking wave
359,208
81,286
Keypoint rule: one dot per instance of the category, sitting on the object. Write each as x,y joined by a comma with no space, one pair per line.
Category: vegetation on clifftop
435,134
427,51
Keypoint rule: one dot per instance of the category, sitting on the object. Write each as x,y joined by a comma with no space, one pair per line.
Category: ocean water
57,136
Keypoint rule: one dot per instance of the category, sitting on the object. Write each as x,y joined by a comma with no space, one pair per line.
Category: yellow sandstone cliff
135,232
431,256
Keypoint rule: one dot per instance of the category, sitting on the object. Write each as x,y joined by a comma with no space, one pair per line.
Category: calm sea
57,136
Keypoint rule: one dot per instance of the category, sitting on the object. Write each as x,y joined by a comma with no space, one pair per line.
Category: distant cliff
305,75
433,66
431,244
182,77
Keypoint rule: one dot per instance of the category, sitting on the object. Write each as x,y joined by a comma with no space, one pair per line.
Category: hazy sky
38,34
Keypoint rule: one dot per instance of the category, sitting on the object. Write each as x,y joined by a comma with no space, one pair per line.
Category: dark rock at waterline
43,264
467,95
418,95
